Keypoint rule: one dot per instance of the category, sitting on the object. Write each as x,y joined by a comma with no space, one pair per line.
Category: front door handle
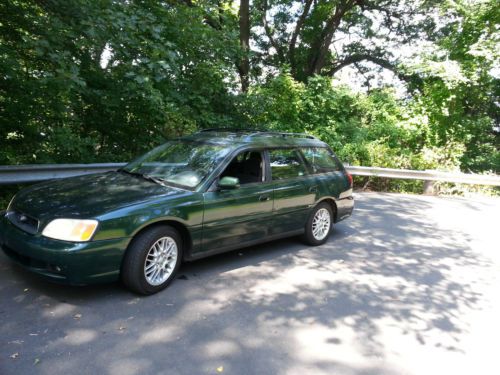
264,198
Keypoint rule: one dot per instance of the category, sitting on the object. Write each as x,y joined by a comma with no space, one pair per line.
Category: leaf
36,361
220,369
14,356
77,316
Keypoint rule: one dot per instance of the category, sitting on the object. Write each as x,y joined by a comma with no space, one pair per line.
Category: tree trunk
244,64
322,44
320,48
295,34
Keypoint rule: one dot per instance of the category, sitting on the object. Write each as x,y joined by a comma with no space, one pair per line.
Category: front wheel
319,225
152,260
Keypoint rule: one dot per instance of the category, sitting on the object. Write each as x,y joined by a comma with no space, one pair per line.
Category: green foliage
373,129
460,91
364,129
104,80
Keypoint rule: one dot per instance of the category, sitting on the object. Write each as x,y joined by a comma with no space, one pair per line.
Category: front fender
188,211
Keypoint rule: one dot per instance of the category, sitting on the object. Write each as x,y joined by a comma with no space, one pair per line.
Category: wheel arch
332,204
187,241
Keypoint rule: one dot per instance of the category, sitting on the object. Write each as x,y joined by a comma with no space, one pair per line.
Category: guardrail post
429,187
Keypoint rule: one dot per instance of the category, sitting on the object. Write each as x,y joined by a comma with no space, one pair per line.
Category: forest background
387,83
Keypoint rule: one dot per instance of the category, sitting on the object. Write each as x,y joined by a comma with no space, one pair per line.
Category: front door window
248,167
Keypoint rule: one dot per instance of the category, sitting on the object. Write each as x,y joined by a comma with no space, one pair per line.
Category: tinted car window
286,164
320,159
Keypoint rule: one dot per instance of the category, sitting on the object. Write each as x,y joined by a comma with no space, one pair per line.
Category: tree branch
353,59
244,23
386,64
269,32
320,49
206,17
296,31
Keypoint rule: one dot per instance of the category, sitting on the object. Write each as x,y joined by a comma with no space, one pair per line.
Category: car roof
241,137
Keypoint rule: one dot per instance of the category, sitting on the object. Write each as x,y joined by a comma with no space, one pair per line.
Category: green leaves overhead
102,71
104,80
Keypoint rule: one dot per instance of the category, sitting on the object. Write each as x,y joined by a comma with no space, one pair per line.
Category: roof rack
256,132
232,130
282,134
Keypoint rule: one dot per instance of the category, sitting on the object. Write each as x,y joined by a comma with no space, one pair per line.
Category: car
199,195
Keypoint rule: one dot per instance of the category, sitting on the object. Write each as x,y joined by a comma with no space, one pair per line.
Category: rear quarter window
286,163
321,160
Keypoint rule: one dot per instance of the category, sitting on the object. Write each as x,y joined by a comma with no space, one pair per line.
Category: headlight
70,229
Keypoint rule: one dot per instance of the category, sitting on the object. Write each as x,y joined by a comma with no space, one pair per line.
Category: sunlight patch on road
80,336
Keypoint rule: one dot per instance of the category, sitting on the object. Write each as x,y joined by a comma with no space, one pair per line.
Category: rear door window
320,159
286,163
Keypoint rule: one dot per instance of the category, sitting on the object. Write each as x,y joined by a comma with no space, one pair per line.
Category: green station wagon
199,195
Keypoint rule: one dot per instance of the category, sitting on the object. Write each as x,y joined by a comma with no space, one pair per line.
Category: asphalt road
408,285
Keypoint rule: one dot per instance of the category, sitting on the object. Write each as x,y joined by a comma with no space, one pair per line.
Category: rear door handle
313,189
264,198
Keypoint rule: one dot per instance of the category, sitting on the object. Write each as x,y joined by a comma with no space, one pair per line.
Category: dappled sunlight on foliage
104,81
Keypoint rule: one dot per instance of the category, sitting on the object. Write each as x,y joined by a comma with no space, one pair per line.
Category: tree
244,64
321,36
105,80
460,91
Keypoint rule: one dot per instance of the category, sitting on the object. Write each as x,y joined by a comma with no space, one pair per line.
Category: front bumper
67,262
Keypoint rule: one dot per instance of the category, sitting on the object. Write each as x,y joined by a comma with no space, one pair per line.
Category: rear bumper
345,206
61,261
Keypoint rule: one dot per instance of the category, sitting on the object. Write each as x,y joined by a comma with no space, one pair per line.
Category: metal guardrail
427,175
18,174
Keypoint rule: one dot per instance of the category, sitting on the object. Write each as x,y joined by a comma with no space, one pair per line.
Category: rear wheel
319,225
152,260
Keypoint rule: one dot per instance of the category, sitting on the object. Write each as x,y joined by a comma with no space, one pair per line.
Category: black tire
133,273
308,236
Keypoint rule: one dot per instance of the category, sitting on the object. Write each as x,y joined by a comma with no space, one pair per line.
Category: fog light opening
54,268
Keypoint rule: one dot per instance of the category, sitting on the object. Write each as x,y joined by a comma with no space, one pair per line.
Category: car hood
88,196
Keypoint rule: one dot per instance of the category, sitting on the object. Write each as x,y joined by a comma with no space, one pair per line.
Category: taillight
349,178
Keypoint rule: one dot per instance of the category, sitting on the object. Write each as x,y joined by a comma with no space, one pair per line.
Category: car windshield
181,163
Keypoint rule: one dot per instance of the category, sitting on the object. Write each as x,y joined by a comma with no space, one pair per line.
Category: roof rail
256,132
282,134
233,130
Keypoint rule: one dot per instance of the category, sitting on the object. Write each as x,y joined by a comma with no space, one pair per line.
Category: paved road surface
409,285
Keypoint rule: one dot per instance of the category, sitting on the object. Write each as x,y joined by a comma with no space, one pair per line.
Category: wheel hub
321,224
160,261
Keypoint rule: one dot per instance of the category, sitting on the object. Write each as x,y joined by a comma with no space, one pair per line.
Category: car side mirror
229,182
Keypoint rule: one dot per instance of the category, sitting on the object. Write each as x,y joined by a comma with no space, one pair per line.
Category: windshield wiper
144,176
158,180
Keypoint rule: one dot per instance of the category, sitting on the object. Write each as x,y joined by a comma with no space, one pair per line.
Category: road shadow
281,307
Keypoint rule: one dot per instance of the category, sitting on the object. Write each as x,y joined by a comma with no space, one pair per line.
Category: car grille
24,222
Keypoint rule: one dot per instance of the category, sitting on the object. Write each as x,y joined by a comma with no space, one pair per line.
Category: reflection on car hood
88,196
